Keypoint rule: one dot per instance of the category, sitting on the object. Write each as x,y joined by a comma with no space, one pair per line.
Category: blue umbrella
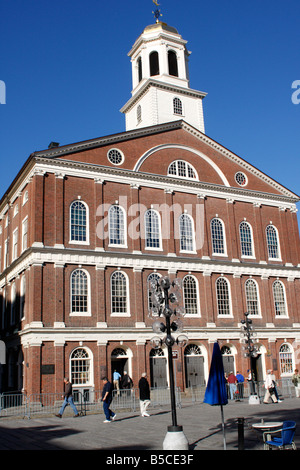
215,393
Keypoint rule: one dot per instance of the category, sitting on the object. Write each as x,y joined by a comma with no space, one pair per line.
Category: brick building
84,226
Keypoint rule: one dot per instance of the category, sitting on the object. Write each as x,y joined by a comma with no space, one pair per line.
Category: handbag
271,390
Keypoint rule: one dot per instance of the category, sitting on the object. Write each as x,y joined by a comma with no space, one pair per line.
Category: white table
267,426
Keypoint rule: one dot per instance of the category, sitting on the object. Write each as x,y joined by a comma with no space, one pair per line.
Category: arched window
177,106
13,305
223,296
79,292
117,232
172,63
140,69
182,169
272,242
217,237
152,277
252,297
279,299
154,63
152,229
119,294
80,367
78,222
246,239
190,295
186,233
286,359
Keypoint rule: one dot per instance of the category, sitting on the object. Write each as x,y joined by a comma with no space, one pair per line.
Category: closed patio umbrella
215,393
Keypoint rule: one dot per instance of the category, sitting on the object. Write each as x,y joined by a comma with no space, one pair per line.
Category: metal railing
285,389
89,402
39,404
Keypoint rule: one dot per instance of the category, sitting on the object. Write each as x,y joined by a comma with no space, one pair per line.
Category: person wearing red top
232,380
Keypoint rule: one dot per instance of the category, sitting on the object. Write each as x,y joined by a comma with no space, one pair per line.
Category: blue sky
67,74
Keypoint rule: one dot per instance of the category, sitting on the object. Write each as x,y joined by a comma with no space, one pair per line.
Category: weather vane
157,12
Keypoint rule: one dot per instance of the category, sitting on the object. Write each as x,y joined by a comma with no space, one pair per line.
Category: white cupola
160,81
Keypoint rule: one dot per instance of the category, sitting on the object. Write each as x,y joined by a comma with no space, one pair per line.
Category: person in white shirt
270,389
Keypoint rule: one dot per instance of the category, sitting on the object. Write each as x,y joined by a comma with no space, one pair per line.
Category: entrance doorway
158,369
119,361
194,366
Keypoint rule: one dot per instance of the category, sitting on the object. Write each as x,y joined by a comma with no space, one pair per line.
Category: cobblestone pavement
131,432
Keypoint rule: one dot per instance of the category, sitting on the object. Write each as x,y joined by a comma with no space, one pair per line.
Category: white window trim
224,238
151,248
285,301
91,359
117,314
81,314
23,224
15,242
229,296
198,314
259,315
118,245
278,243
193,250
78,242
253,256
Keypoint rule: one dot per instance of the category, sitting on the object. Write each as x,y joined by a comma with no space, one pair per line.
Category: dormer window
154,63
182,169
172,62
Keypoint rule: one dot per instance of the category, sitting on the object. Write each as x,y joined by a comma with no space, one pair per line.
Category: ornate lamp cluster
247,335
165,299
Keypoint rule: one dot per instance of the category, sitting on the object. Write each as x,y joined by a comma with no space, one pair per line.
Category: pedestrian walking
107,399
126,382
270,389
144,394
296,382
275,386
232,380
116,380
240,384
68,399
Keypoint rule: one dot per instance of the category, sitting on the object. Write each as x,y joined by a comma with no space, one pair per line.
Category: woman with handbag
270,389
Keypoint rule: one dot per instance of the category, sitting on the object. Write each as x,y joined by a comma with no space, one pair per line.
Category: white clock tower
160,81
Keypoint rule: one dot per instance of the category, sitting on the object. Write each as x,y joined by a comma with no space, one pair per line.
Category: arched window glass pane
79,290
246,239
252,297
182,169
118,293
279,299
286,359
272,242
186,233
80,367
116,226
217,236
78,222
190,295
152,229
177,106
223,300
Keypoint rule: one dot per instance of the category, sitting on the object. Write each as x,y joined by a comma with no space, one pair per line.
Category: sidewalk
201,425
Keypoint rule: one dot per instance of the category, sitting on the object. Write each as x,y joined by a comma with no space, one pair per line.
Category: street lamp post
165,298
251,351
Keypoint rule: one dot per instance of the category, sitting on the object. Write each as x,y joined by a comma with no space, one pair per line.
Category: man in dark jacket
106,399
68,399
144,394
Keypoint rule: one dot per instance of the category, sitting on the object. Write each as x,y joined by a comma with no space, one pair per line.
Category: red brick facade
37,323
